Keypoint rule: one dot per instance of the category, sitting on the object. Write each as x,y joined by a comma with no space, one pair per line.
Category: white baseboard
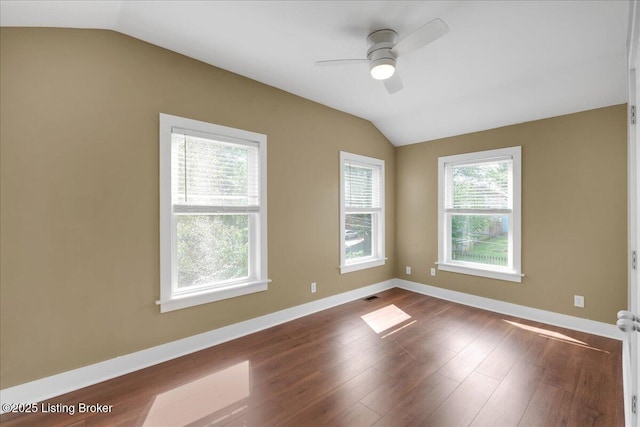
56,385
548,317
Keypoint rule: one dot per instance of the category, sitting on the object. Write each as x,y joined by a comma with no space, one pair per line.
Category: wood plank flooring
432,363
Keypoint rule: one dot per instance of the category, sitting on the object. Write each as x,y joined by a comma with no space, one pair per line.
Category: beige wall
574,220
79,195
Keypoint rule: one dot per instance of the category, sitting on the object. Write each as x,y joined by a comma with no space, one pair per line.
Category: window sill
211,295
491,274
362,265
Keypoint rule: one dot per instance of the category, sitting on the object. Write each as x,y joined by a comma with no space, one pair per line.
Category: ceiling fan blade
424,35
393,83
341,62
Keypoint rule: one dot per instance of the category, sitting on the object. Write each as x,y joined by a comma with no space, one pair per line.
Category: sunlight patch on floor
557,336
398,329
197,399
385,318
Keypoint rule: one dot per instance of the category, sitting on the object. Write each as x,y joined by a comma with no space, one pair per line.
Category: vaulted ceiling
502,62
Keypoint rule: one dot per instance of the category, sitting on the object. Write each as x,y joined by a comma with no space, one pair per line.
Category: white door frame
631,345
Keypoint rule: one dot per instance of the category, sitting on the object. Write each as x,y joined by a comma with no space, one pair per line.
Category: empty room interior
305,213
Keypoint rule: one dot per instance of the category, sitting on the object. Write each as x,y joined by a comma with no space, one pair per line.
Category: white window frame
378,221
512,272
170,298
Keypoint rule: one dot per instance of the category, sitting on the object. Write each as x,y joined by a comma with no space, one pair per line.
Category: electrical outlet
407,269
313,288
433,271
578,301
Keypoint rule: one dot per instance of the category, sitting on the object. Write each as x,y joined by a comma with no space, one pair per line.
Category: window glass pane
358,235
481,186
212,248
361,186
481,239
213,173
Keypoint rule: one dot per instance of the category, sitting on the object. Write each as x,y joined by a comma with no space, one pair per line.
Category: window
213,230
479,214
361,212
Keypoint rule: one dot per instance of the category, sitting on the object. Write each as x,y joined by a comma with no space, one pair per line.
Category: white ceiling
502,62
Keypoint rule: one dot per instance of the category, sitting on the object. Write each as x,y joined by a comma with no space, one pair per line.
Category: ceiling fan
384,49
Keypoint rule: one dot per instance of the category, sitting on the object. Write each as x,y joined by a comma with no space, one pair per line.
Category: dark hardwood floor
400,359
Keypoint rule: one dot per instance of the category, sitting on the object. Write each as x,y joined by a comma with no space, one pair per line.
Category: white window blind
361,186
483,186
212,175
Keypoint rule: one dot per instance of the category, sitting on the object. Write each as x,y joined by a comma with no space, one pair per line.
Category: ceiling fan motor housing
380,44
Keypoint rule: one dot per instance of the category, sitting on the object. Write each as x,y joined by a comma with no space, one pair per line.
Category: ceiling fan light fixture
383,68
